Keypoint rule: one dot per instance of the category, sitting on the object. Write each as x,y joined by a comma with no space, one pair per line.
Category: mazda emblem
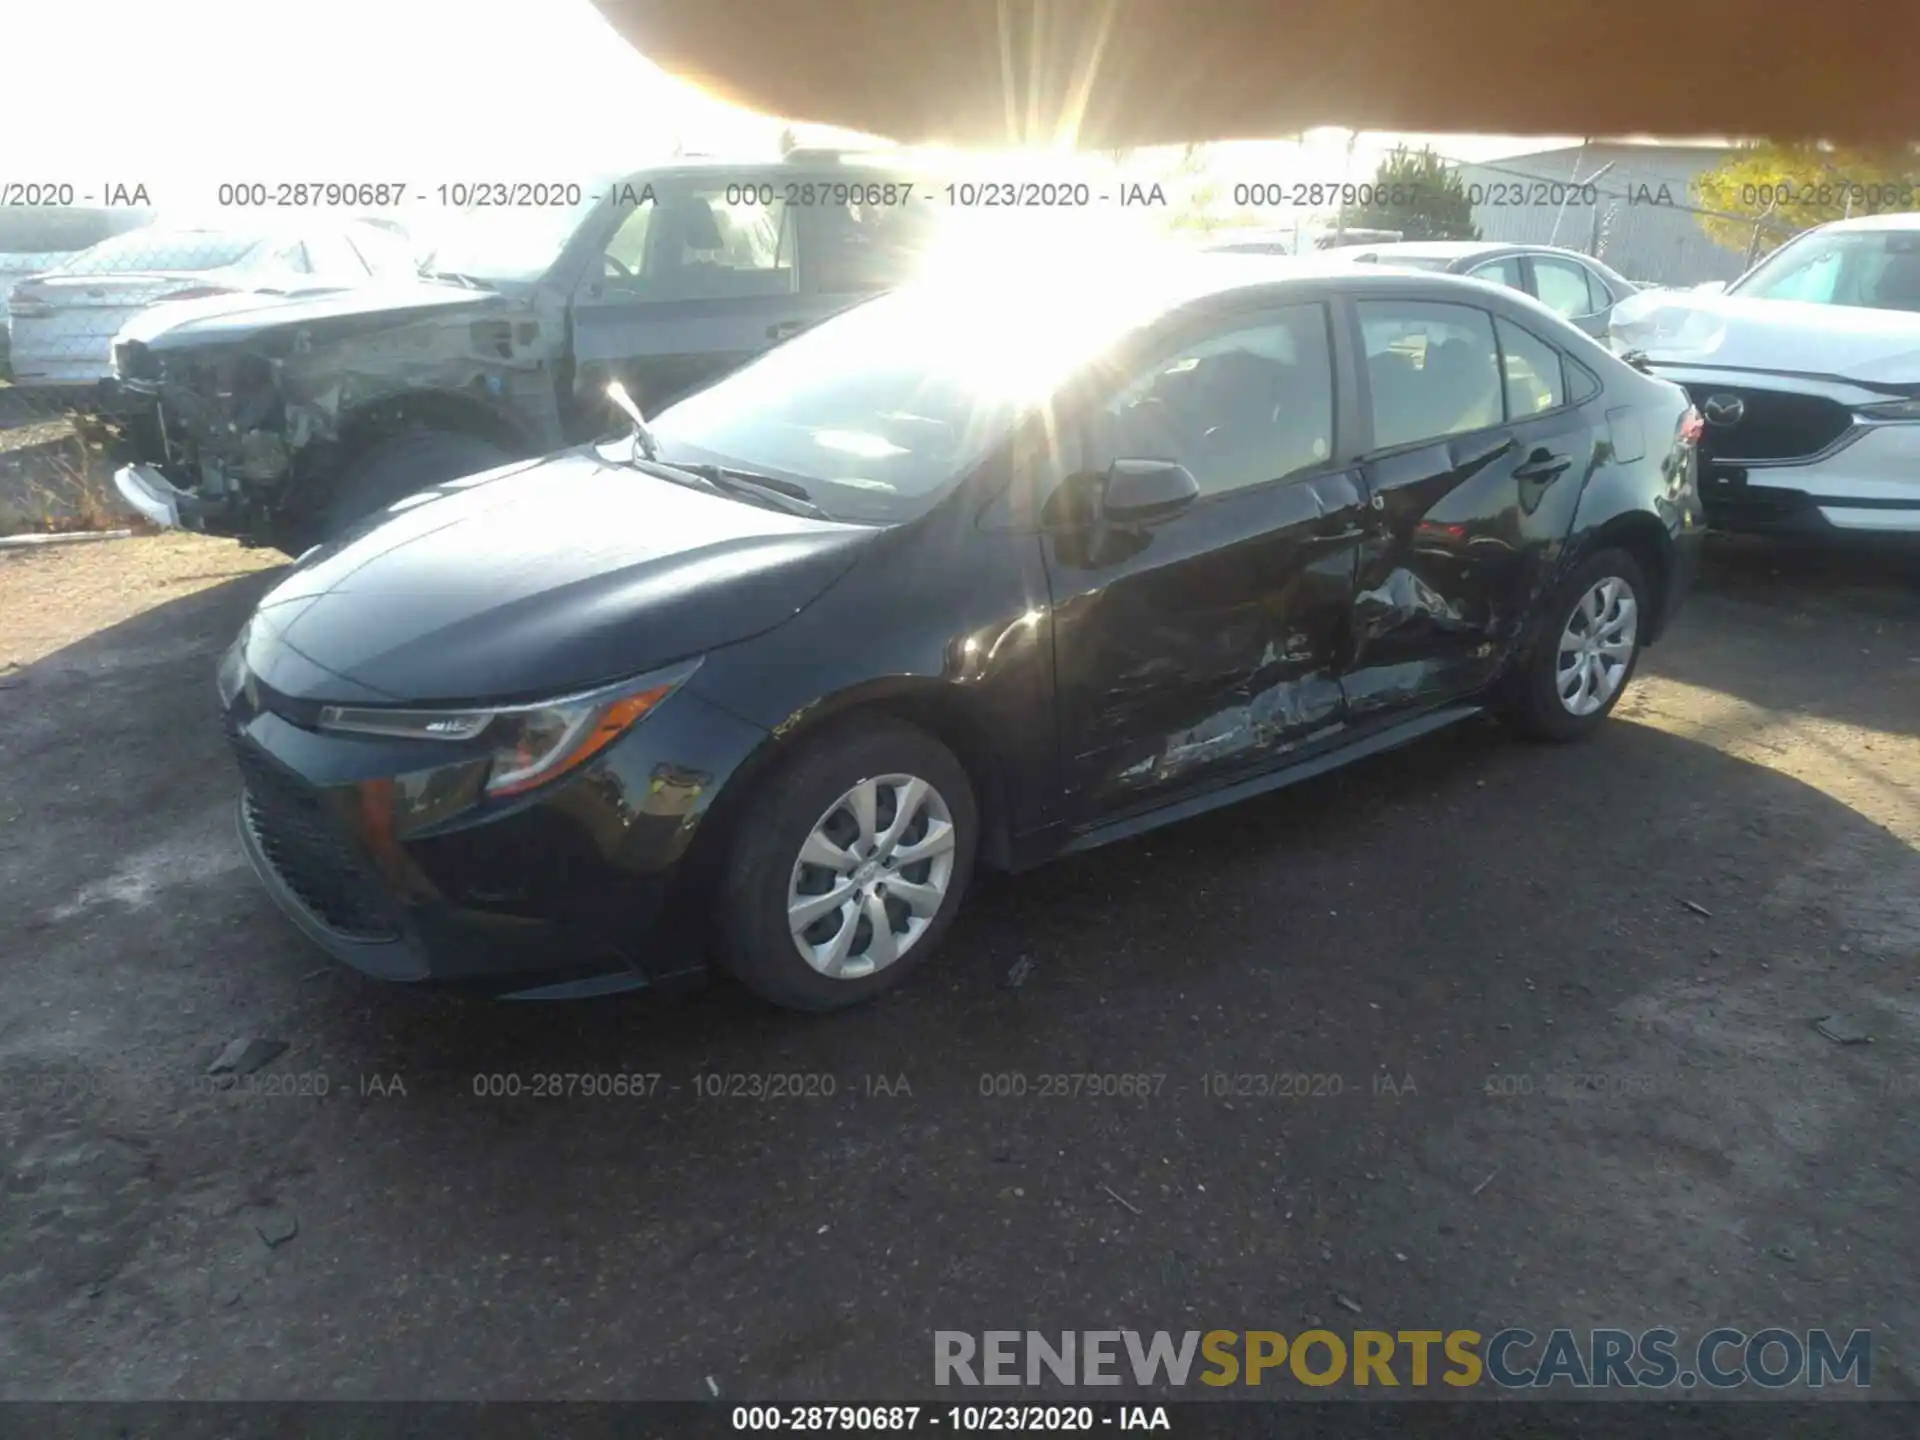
1724,409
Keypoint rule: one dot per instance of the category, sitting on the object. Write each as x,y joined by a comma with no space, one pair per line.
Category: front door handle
783,328
1542,467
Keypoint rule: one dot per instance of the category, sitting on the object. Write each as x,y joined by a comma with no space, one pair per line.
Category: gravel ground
1490,927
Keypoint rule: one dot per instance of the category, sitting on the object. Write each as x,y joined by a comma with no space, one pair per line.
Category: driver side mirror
1143,490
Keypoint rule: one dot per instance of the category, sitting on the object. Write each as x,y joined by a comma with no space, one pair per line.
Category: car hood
534,580
222,318
1843,342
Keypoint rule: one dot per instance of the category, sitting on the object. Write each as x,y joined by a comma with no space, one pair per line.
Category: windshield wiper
735,484
740,484
789,495
456,278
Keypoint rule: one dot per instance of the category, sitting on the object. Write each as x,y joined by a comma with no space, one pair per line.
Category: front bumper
153,495
574,890
1799,458
1836,499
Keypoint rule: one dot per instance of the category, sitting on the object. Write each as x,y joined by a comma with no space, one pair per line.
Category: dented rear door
1463,524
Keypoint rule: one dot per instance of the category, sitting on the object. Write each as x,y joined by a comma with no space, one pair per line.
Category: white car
1807,372
63,321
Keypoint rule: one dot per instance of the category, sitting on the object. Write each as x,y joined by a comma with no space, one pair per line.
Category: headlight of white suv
530,744
1891,410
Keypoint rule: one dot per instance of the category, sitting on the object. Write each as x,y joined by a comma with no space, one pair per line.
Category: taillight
198,292
1692,425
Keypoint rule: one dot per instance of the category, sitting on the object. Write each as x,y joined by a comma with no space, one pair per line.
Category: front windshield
503,243
880,409
1874,269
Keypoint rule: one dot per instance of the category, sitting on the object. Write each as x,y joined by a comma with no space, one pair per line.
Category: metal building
1641,215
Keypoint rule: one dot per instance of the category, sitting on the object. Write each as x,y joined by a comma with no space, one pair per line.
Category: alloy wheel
871,876
1596,647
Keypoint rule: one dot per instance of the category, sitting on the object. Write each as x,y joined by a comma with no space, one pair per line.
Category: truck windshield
504,243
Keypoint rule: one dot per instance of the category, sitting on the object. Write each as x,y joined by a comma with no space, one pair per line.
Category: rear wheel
846,873
1583,662
391,470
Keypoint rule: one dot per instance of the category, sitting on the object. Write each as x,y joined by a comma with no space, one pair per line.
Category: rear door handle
783,328
1542,467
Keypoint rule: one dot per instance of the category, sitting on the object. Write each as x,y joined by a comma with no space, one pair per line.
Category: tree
1416,193
1763,194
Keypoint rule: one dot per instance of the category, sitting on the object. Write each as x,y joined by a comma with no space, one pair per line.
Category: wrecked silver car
282,420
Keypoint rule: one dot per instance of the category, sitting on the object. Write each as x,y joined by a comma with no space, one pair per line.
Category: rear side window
1504,271
1433,370
1564,288
1532,371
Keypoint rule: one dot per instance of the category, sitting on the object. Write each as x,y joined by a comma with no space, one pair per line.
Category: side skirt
1379,741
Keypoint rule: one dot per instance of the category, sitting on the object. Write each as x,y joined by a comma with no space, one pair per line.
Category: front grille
324,870
1776,424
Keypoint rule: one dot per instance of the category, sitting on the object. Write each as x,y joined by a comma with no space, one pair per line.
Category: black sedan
961,577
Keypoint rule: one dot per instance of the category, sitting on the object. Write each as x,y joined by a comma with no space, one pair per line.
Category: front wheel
1588,652
388,471
846,872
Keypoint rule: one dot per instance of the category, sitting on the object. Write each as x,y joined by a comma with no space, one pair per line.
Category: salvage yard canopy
1111,74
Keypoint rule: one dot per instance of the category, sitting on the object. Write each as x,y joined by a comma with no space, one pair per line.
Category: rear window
40,230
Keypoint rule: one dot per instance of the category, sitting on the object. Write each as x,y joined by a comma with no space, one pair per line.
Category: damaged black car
970,575
282,419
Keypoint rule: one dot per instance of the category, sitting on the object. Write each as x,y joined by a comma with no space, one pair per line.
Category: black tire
1538,711
754,941
393,469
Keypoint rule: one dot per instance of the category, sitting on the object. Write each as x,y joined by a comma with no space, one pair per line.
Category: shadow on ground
1443,1040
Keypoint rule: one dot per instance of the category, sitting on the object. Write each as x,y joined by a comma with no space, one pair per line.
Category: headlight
529,744
1664,328
1892,410
233,667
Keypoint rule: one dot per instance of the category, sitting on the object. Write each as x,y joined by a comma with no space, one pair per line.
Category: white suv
1807,371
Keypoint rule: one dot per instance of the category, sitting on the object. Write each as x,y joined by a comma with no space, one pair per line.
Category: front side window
1238,408
709,244
1432,370
1563,288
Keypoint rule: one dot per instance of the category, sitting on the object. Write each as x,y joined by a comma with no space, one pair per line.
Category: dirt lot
1493,927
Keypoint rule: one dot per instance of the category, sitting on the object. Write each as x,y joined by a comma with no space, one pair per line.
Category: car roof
1896,220
1172,279
697,166
1434,249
